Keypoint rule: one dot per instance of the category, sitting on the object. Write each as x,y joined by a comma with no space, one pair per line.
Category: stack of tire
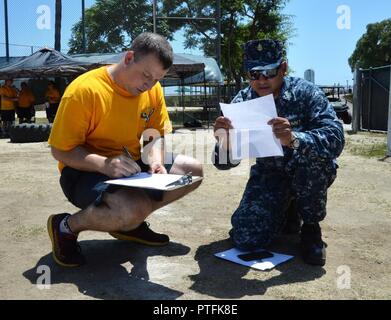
30,132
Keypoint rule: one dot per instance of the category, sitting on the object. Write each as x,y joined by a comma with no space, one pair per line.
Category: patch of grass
349,97
41,121
31,231
374,150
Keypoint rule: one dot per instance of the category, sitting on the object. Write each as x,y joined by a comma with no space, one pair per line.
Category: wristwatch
295,142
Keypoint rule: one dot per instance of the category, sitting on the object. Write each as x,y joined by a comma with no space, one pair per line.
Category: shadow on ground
224,280
104,277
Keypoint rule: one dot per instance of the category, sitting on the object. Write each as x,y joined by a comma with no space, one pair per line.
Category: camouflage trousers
262,212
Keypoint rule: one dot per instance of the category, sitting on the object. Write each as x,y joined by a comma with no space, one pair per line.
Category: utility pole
389,121
83,25
218,50
57,27
218,32
357,100
7,47
154,15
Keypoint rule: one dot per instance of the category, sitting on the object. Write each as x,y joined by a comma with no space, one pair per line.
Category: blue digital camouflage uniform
303,174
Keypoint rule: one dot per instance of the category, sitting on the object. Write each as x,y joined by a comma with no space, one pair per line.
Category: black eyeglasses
267,74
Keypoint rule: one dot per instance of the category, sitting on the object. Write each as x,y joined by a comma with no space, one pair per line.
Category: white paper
252,137
264,264
150,181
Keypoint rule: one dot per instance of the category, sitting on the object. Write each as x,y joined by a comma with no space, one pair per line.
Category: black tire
30,132
346,117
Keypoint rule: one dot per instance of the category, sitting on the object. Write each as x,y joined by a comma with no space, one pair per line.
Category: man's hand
157,168
282,130
221,130
121,166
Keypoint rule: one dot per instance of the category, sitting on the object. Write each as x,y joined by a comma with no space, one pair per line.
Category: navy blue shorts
84,188
7,115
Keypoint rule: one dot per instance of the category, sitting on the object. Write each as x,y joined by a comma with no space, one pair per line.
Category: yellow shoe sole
123,237
51,236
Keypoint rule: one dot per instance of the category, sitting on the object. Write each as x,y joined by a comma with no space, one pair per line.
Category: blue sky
318,42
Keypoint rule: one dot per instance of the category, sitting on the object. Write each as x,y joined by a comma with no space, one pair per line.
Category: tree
111,25
373,49
241,21
57,29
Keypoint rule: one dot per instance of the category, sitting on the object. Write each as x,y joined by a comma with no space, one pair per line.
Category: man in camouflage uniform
312,138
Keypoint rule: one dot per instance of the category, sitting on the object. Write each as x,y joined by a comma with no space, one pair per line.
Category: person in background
26,99
53,97
8,100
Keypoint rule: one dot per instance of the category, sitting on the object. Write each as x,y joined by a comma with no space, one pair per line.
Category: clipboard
164,182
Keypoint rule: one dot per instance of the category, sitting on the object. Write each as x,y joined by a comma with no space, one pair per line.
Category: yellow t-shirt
100,116
53,95
8,92
26,98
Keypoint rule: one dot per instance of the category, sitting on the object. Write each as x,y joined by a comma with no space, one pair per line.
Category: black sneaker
66,250
144,235
312,246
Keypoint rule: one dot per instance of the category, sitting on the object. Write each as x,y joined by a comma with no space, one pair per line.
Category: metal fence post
389,121
357,92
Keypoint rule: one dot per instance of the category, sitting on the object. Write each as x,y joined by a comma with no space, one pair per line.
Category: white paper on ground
264,264
253,137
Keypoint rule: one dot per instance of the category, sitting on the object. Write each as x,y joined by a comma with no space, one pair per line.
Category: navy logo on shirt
146,116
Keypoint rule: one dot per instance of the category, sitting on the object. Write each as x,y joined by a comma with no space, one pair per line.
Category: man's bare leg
126,209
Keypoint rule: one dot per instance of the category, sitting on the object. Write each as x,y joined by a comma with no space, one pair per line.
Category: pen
183,181
127,153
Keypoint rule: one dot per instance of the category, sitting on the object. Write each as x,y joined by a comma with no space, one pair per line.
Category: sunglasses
267,74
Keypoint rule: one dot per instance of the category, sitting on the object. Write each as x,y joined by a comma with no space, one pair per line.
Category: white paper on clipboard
165,182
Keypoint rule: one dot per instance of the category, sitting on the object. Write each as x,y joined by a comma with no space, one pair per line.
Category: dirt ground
357,230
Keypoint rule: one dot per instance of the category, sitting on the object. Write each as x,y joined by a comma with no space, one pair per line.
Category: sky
324,38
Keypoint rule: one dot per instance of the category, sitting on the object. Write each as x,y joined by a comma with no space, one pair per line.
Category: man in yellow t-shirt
53,97
100,113
26,101
8,98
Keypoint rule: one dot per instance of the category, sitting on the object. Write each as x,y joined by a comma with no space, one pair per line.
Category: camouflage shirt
312,118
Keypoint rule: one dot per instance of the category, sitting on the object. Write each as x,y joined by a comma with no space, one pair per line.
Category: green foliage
111,25
374,47
241,21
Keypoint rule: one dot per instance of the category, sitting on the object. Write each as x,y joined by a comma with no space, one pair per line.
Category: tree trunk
238,82
57,31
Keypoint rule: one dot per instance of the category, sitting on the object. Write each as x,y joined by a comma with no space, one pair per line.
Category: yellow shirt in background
26,98
8,92
100,116
53,95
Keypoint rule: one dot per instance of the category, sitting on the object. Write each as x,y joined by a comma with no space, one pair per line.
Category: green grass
367,144
375,150
30,231
349,97
41,121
